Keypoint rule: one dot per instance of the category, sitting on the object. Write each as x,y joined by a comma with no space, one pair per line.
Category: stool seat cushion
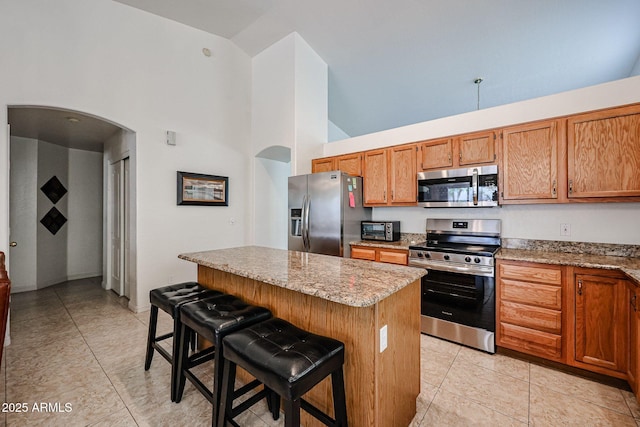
276,350
170,298
213,318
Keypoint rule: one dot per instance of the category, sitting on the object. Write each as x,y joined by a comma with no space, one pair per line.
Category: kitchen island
349,300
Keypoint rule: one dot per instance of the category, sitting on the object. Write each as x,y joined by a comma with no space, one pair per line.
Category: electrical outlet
565,229
383,338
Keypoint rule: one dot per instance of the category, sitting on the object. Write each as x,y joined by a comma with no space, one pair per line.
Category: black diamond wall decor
54,189
53,220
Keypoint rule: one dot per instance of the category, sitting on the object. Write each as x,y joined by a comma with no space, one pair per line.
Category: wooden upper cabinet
390,176
348,163
375,177
325,164
530,161
464,150
436,154
603,153
477,148
403,181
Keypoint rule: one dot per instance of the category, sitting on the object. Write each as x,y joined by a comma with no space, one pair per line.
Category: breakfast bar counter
346,299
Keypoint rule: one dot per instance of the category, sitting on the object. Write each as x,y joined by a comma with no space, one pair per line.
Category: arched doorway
76,151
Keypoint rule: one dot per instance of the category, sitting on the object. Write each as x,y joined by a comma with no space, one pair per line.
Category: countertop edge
629,266
308,290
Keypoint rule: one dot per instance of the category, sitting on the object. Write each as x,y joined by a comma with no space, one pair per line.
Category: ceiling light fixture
477,81
73,119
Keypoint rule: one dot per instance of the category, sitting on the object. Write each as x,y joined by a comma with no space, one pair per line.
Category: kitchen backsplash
572,247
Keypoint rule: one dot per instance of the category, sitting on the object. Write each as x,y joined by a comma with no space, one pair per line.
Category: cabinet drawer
530,341
528,273
393,257
548,296
363,253
531,317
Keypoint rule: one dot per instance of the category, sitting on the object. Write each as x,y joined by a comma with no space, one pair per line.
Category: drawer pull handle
579,287
633,302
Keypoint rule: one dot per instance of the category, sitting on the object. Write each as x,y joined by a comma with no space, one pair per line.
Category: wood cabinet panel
436,154
403,183
530,161
375,177
323,165
477,148
359,252
634,337
531,341
393,257
350,163
543,274
603,150
601,325
548,296
542,319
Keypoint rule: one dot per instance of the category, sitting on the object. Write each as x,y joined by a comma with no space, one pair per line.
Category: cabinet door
393,256
403,180
375,177
436,154
634,337
530,161
601,332
359,252
350,163
323,165
477,148
603,153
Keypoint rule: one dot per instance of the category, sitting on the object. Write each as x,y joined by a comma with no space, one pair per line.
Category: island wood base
381,388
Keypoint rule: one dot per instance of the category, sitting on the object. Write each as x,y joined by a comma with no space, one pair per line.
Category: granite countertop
628,265
346,281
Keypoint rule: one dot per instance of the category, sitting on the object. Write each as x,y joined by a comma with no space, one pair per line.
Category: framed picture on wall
202,190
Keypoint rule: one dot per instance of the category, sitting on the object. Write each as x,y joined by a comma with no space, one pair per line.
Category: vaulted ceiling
393,63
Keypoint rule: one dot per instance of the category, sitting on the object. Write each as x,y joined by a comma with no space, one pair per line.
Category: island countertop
352,282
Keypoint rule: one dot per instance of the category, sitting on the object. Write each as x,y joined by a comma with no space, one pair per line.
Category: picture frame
198,189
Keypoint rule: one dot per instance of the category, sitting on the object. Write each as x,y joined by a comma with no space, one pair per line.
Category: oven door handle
475,270
450,294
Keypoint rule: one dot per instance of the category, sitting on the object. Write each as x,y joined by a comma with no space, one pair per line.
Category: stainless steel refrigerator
325,210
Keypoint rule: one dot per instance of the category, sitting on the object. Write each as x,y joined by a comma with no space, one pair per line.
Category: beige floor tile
431,344
584,389
121,418
551,408
632,402
489,388
496,362
448,409
434,366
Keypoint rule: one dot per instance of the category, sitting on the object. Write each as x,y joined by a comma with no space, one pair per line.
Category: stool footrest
201,357
199,385
163,337
321,416
248,403
246,388
161,350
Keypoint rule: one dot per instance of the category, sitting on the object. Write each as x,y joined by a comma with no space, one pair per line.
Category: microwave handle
474,184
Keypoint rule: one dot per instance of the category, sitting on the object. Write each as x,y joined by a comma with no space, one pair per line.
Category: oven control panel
453,262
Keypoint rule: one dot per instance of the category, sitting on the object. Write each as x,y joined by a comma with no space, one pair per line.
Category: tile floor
77,344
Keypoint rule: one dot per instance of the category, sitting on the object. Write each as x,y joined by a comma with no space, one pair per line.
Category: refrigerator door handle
303,231
306,227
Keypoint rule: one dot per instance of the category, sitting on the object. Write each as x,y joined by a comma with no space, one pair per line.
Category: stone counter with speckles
346,281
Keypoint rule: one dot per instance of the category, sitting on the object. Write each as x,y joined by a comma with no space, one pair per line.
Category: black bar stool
213,319
287,360
169,299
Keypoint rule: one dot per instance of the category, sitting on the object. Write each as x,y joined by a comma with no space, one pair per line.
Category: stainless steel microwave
388,231
469,187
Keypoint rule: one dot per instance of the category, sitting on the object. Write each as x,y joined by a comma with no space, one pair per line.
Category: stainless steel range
458,292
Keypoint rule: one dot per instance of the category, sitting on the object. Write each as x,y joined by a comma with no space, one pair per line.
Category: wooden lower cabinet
530,309
601,321
391,256
633,366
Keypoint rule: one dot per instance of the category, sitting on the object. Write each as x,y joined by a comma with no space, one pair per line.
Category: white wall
84,228
592,222
149,75
53,160
271,203
335,133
